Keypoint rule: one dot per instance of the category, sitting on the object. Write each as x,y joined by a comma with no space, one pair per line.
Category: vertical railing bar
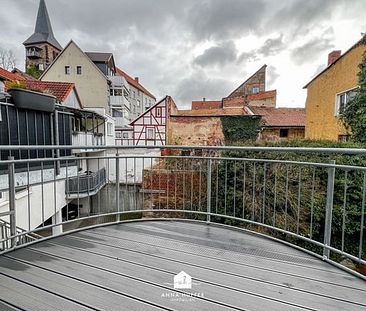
67,190
28,198
362,216
275,196
312,204
143,183
225,191
42,193
209,171
264,192
175,183
134,182
12,217
191,185
286,196
253,191
151,183
167,180
217,185
78,187
344,207
299,202
99,184
126,206
244,187
159,181
200,187
55,189
184,182
117,185
234,195
329,210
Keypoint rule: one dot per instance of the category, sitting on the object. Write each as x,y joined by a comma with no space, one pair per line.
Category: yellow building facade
328,93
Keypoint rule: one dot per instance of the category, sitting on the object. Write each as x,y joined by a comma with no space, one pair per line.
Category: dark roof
43,31
361,41
133,82
99,57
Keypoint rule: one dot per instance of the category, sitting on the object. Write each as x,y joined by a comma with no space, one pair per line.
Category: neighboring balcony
34,53
85,185
87,139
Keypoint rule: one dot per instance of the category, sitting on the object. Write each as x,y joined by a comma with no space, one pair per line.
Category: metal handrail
294,200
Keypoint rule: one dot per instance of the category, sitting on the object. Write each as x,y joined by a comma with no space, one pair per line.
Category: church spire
43,32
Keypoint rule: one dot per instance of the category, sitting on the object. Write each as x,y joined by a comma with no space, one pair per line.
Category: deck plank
134,263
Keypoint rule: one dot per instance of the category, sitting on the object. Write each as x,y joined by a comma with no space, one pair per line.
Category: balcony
34,53
87,139
85,185
195,228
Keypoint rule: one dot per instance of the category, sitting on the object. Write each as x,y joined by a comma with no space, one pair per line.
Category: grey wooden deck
131,266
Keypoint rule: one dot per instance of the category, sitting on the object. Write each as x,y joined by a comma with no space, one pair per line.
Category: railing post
12,221
209,173
117,185
329,210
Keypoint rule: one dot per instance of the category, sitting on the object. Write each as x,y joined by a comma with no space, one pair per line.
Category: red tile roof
285,117
24,75
59,89
206,104
7,75
234,102
133,82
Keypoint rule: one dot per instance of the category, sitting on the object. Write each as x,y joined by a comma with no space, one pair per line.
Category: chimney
333,56
137,79
204,99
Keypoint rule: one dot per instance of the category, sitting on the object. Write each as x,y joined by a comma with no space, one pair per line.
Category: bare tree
7,59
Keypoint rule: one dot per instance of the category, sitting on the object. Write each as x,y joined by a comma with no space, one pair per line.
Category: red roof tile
7,75
59,89
133,82
234,102
206,104
286,117
262,95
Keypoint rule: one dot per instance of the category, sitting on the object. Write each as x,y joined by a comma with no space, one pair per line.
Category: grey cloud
198,85
272,46
217,55
219,20
310,50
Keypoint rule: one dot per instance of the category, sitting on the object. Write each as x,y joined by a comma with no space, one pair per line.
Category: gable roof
63,51
7,75
361,41
264,66
43,31
148,110
286,117
60,90
133,82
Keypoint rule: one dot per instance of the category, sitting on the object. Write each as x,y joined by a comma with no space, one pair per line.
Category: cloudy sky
191,49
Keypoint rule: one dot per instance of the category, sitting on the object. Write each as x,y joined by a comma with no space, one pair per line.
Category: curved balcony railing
311,198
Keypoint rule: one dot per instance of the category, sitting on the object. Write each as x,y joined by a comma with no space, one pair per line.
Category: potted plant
28,99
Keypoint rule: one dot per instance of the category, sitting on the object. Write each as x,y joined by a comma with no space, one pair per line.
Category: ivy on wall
240,128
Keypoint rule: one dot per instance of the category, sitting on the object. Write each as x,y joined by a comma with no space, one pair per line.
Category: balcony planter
26,99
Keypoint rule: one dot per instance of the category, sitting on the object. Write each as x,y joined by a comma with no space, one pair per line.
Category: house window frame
337,100
78,70
150,130
67,70
255,89
158,111
125,135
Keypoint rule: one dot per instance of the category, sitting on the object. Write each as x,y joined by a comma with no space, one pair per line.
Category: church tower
41,48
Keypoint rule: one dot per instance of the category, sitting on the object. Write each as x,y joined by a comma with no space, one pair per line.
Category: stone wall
273,134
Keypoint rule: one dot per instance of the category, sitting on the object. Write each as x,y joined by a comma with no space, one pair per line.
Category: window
118,134
343,99
283,132
125,135
117,92
67,70
255,89
78,70
138,103
40,67
134,94
150,133
158,112
109,128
